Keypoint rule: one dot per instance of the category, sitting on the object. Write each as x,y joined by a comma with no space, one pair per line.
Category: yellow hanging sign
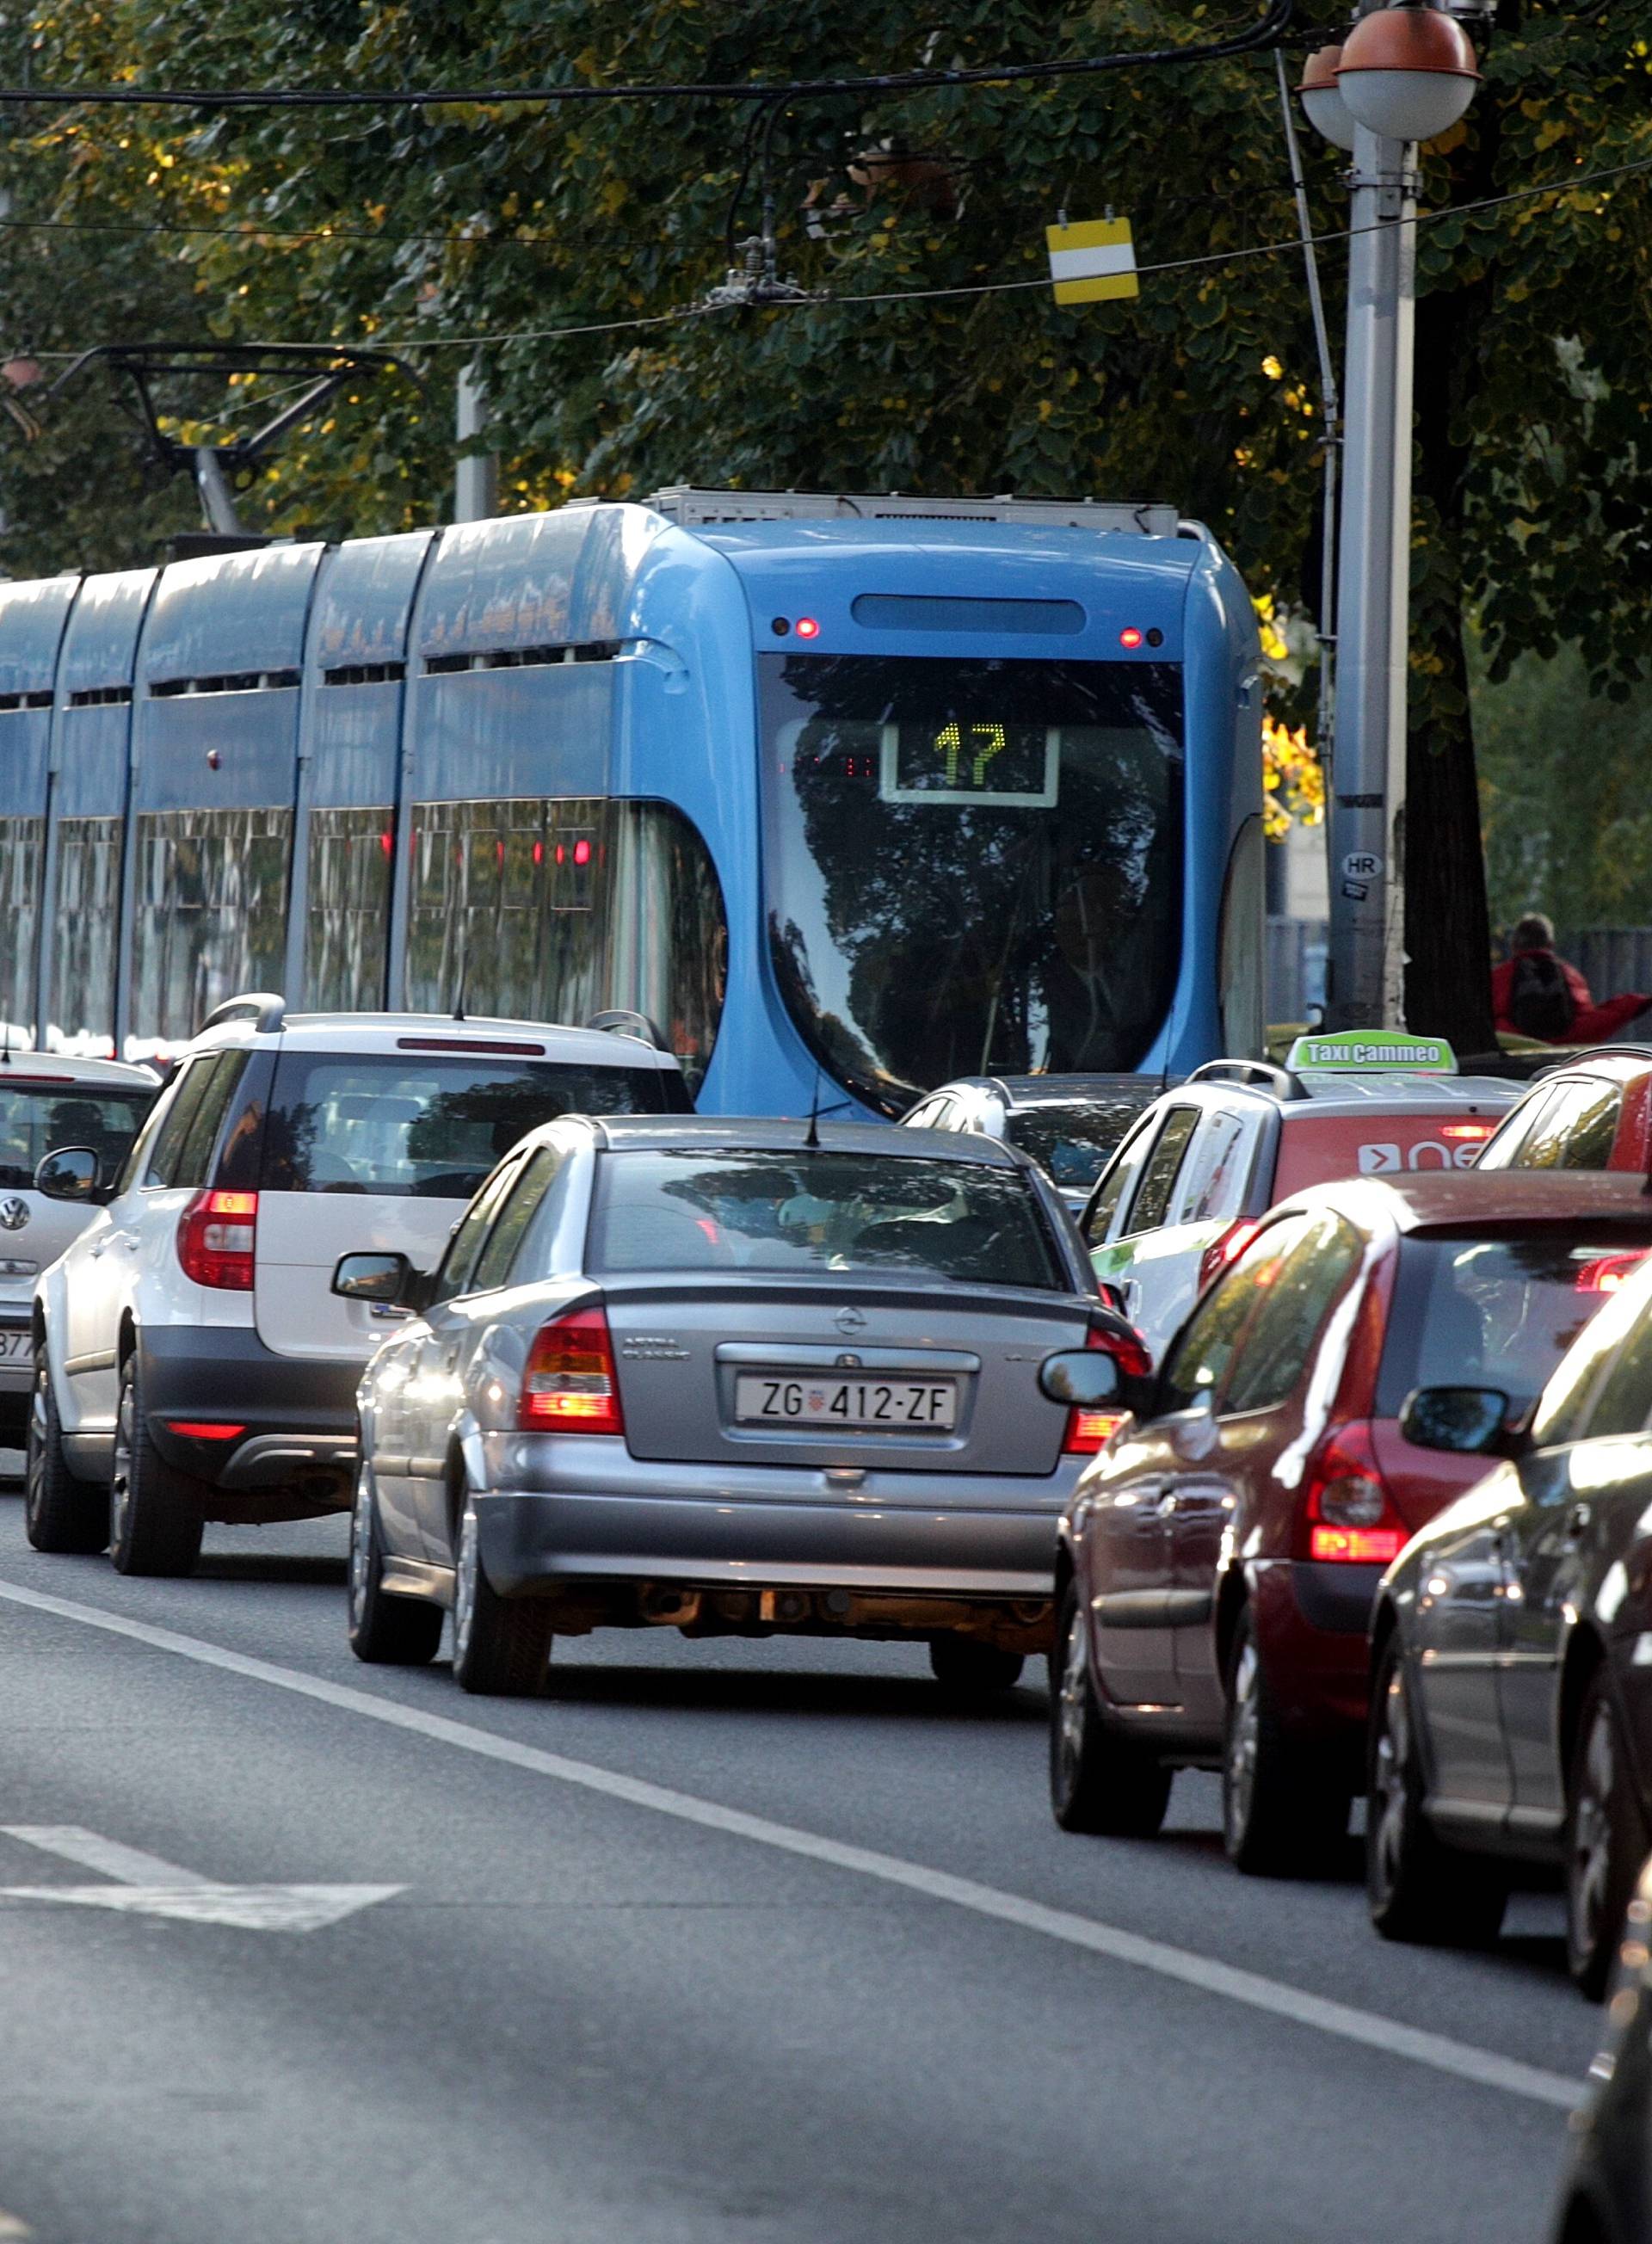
1092,261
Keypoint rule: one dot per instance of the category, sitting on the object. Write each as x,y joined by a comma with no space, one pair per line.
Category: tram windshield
973,868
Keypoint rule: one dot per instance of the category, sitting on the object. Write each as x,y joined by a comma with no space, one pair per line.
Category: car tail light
1089,1431
217,1234
1349,1513
1604,1274
570,1382
1221,1252
203,1429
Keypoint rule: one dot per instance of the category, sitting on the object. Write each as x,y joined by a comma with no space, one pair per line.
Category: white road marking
149,1887
1369,2029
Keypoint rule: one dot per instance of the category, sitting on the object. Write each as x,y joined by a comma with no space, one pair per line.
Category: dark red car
1219,1560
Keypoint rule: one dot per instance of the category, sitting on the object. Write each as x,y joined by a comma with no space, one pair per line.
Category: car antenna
811,1142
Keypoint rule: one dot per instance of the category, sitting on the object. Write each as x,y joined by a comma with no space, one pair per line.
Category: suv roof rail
622,1022
263,1008
1259,1074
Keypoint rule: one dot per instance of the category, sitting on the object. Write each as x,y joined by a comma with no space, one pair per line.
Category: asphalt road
725,1942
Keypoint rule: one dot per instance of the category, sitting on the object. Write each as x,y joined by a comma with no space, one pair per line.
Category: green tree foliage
426,228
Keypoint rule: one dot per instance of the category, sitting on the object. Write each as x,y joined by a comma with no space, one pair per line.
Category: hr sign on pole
1092,261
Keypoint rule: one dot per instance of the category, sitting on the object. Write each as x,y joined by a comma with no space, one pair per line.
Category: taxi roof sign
1362,1050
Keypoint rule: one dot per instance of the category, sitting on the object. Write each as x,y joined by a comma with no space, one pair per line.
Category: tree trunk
1448,941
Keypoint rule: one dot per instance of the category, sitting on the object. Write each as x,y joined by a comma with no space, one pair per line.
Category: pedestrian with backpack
1536,993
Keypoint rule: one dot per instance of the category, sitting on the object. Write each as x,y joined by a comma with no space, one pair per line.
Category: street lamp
1407,72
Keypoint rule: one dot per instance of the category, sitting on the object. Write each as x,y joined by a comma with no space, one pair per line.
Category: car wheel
385,1631
1417,1888
60,1512
155,1521
972,1669
1279,1812
1101,1781
1605,1840
501,1645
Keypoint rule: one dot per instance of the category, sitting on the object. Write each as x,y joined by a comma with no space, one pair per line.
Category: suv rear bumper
296,1454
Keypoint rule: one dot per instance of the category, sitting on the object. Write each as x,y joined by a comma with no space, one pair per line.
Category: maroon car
1219,1560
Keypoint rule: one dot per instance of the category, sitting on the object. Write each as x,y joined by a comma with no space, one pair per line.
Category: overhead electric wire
1273,24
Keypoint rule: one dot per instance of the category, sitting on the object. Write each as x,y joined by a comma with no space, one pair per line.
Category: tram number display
970,759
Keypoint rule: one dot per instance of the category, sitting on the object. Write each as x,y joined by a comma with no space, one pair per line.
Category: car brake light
202,1430
1604,1274
1088,1431
570,1382
1466,1132
1221,1252
1350,1515
217,1234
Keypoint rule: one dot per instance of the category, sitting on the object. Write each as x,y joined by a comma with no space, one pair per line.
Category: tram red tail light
1130,636
217,1237
806,627
570,1384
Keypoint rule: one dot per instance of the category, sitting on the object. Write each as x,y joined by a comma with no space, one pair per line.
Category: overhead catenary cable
1291,245
1274,23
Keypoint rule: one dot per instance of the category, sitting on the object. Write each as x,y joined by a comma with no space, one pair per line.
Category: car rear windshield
40,1118
1496,1312
425,1128
804,1214
1073,1144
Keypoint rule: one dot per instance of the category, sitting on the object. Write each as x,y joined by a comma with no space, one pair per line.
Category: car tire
973,1670
60,1512
384,1631
1606,1840
1417,1888
1101,1781
1281,1812
155,1517
501,1645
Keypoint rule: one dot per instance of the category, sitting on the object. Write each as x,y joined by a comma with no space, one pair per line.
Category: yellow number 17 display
989,740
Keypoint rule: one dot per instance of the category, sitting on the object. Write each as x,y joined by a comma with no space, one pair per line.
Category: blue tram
847,795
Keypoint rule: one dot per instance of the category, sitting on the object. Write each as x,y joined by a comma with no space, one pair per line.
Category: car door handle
1167,1505
1577,1521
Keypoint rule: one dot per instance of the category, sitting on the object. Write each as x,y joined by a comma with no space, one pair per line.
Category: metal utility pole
1367,807
476,475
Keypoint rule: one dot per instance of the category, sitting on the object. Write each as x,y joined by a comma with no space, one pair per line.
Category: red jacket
1591,1024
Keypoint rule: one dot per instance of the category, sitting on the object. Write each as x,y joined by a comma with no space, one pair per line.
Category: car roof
385,1032
618,1134
1056,1089
1330,1092
1453,1200
1626,1062
62,1070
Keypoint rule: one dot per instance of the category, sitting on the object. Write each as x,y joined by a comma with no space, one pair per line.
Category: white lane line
148,1886
93,1852
1367,2029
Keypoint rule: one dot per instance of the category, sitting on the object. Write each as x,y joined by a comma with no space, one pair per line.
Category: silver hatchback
731,1378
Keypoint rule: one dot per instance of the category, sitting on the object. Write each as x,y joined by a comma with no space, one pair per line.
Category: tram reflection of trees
998,939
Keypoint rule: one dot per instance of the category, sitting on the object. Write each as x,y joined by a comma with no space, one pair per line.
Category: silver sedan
731,1378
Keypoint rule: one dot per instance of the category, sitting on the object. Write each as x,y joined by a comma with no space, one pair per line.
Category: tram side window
348,912
554,910
22,842
210,914
86,938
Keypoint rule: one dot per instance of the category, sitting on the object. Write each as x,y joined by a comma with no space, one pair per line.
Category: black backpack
1541,1003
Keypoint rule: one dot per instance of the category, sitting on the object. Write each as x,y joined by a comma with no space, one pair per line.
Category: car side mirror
1083,1378
389,1279
1470,1421
68,1172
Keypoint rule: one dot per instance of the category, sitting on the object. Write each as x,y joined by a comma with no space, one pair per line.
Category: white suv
48,1101
191,1361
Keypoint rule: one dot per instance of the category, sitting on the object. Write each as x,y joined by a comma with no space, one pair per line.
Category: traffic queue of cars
1316,1451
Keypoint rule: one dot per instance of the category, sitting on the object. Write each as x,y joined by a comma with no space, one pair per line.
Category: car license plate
896,1406
14,1346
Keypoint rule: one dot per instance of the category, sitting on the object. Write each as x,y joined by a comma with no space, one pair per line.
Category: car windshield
425,1128
814,1213
1074,1143
38,1117
1495,1312
972,868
